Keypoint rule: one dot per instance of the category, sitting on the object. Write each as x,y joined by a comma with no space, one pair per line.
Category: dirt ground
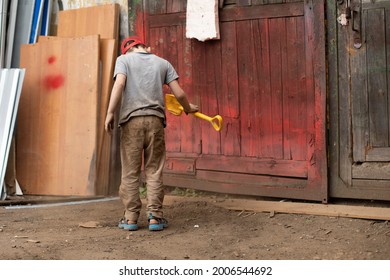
199,229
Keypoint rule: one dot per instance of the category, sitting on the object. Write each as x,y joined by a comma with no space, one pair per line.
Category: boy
140,76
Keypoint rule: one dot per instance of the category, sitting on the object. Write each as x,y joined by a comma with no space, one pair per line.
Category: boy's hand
109,123
193,109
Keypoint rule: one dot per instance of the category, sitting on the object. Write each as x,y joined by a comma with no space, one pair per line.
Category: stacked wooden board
62,148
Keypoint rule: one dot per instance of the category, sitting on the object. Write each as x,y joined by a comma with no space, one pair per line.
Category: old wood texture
56,130
266,78
331,210
104,21
108,54
359,103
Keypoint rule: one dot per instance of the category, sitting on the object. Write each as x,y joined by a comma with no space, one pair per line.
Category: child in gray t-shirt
139,78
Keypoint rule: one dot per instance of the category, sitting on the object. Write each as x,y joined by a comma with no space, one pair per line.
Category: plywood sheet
102,20
56,132
107,57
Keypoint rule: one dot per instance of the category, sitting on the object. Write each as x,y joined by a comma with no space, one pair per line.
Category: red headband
136,41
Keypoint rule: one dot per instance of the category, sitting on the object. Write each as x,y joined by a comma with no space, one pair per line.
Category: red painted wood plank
283,190
190,127
287,87
167,20
265,98
257,181
228,98
198,79
277,35
257,85
229,94
295,95
255,89
230,137
262,11
180,165
211,139
246,75
158,42
233,14
290,168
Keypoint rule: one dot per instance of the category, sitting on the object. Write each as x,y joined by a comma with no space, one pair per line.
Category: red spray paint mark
53,81
51,59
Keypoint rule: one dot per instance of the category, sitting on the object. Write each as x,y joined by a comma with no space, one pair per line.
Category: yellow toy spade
176,109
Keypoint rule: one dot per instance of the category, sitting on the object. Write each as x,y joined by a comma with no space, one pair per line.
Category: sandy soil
199,229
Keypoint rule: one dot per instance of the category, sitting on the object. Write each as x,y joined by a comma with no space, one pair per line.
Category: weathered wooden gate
359,100
266,78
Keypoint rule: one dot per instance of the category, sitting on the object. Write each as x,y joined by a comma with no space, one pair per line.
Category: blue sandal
162,223
123,224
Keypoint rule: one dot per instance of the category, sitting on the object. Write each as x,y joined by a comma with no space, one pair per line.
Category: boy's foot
127,225
156,223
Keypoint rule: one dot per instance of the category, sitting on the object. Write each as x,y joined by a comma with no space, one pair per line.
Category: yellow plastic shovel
176,109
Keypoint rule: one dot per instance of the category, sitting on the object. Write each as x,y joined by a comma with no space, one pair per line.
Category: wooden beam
332,210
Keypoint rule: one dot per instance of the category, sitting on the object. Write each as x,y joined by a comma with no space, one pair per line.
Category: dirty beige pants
142,135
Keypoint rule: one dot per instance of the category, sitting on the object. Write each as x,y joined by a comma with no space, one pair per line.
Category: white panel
202,19
10,87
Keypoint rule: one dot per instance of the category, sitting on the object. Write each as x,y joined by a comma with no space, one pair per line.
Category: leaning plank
56,132
374,213
107,56
361,212
102,20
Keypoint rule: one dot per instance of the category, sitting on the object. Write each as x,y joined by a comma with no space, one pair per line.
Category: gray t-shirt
146,74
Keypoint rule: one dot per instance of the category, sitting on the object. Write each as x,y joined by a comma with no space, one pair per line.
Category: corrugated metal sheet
11,81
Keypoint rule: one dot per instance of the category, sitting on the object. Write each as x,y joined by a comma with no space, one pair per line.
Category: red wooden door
266,78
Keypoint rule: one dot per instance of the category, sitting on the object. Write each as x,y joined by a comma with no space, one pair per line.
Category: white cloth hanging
202,20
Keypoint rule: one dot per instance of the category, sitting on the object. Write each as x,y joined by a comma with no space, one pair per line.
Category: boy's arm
116,95
181,96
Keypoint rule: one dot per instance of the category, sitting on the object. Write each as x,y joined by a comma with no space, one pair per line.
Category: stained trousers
142,140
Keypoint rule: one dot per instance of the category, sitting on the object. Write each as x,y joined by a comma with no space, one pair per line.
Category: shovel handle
216,121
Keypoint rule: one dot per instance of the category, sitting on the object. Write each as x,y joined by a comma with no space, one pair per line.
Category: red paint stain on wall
139,23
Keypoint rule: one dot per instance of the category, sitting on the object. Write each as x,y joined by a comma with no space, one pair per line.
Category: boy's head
132,41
